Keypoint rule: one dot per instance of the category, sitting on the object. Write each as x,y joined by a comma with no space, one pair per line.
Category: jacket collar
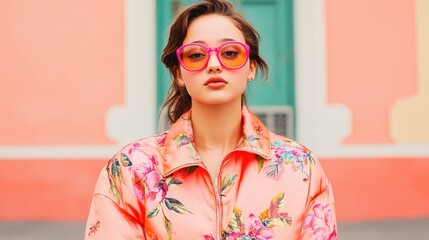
180,151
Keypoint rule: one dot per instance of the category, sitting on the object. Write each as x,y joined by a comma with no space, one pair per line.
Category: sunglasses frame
209,50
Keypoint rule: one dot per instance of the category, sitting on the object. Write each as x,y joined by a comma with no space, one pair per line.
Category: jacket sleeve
115,212
319,220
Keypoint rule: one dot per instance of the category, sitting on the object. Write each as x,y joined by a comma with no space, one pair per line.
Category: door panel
273,19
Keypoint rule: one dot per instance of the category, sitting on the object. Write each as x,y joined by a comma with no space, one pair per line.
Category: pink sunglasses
195,56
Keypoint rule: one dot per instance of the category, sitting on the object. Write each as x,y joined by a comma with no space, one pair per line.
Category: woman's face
215,84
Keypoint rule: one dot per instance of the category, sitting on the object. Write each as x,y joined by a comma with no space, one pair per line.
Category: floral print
252,142
258,227
182,139
322,222
208,237
148,185
227,182
159,188
298,156
113,168
253,229
149,180
94,228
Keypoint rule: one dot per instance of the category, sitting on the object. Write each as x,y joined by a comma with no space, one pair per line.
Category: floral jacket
269,187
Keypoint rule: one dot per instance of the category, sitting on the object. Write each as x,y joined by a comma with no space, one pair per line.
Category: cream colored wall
410,115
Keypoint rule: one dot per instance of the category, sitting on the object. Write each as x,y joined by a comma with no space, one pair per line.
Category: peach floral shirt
269,187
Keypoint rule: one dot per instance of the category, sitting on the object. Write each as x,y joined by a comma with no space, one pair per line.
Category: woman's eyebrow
220,40
199,41
227,40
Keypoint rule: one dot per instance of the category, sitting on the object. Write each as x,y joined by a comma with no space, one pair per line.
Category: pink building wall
62,69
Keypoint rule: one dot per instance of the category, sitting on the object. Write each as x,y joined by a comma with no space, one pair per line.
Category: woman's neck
216,127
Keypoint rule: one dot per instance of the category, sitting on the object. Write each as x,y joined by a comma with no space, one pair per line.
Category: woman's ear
180,82
179,79
252,72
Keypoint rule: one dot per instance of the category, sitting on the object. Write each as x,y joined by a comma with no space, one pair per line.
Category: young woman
218,173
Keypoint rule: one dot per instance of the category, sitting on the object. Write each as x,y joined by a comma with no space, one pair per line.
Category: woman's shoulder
148,149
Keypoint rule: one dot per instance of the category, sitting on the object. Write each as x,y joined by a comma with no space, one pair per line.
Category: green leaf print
269,218
171,181
114,190
125,160
276,203
272,217
115,170
251,138
260,161
175,205
281,219
182,140
236,219
168,227
152,213
228,181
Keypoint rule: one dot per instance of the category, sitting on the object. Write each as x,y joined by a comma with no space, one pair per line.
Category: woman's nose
213,64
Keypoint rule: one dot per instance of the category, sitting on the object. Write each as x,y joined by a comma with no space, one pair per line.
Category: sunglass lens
193,57
233,55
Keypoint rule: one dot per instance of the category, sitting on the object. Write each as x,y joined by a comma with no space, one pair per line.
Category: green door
273,19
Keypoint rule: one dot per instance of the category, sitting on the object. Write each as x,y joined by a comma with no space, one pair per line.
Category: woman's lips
215,82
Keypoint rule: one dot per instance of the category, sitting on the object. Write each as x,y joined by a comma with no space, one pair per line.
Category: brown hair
178,100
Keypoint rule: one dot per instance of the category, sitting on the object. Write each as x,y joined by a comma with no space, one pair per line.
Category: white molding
58,152
319,125
374,151
137,118
322,126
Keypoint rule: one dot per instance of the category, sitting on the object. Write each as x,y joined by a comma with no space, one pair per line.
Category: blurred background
348,79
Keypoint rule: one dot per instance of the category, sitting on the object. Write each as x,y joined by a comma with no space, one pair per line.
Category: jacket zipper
218,206
215,183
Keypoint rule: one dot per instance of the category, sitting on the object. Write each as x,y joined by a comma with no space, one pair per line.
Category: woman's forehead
212,29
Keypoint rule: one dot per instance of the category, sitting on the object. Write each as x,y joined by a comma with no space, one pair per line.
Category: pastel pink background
62,68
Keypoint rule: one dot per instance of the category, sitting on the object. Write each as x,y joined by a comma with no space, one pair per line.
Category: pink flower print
134,147
161,141
255,229
235,236
138,148
279,152
156,188
208,237
141,170
295,153
147,179
322,222
258,228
